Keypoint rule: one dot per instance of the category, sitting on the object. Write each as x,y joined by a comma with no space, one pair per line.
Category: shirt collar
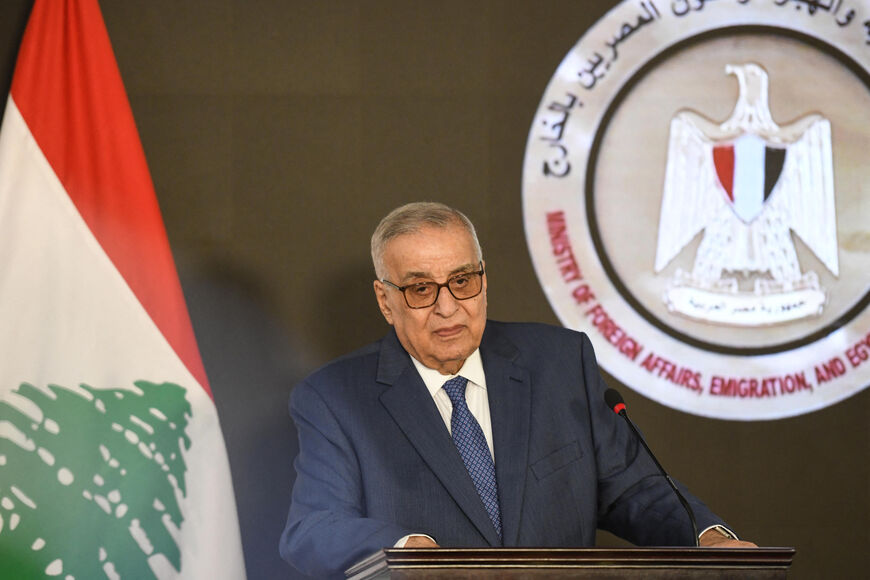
472,369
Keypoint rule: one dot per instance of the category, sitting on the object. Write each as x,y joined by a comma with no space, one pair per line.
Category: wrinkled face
443,335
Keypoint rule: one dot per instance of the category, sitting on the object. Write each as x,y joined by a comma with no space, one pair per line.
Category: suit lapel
509,389
412,408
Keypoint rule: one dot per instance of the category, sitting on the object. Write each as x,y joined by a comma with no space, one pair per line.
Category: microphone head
614,401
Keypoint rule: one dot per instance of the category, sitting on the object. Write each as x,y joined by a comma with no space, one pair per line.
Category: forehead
431,251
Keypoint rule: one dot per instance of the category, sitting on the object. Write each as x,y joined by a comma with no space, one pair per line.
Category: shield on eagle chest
748,169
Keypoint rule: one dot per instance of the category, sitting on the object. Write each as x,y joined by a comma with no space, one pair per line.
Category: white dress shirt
475,393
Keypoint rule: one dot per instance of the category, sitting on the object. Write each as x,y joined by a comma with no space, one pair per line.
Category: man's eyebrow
464,269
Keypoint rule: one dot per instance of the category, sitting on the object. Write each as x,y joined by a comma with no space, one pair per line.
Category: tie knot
455,389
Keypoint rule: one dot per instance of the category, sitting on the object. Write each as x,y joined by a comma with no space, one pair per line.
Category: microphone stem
667,477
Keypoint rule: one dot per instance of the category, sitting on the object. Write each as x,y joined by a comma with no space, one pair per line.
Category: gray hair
411,218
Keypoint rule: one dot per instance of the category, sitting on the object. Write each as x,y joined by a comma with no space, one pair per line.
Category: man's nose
445,303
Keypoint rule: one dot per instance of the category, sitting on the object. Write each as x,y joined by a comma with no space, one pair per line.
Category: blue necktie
469,440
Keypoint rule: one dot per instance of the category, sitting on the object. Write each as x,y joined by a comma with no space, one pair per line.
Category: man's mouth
450,331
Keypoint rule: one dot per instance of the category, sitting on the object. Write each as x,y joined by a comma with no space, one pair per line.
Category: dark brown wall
279,132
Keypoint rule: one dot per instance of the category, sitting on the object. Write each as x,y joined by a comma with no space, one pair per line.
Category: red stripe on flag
69,90
723,159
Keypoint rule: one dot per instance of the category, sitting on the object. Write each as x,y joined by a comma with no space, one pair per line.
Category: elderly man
459,431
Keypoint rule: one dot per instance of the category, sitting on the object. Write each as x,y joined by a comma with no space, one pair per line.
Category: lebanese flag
112,462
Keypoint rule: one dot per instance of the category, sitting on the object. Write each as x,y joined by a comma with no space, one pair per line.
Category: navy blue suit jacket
376,461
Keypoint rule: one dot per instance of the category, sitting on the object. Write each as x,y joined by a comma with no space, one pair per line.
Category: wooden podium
596,563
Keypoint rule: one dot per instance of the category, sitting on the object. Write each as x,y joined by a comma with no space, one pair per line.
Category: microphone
616,404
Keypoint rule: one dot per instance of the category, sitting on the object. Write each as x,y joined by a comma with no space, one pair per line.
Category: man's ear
381,296
483,266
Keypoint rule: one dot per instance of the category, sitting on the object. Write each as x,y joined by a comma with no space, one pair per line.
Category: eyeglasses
425,294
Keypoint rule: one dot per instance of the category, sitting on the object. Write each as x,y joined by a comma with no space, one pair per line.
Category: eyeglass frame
439,286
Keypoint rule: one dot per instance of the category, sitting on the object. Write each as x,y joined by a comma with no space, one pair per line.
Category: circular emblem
695,195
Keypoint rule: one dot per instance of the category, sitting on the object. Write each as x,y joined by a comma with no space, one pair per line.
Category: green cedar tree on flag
112,462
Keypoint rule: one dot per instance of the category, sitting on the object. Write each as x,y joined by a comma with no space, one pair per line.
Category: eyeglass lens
462,287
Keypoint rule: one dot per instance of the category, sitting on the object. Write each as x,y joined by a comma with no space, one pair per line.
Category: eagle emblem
747,184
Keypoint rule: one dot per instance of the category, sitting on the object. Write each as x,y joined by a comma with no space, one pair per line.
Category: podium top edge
763,557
